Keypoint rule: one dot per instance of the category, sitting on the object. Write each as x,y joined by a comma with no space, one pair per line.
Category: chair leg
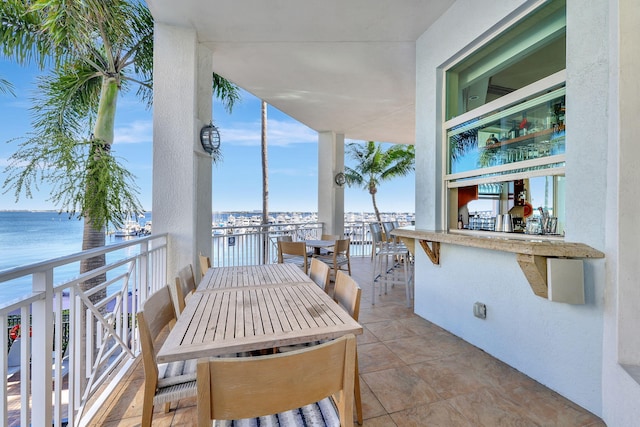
358,397
373,281
407,282
147,410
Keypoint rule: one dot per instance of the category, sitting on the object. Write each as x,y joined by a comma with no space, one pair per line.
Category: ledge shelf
531,253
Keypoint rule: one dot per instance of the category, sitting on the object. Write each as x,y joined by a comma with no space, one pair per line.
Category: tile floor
413,373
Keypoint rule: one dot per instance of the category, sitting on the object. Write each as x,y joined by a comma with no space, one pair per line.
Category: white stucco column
628,233
330,195
181,169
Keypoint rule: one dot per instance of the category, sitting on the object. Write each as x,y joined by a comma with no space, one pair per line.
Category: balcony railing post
42,347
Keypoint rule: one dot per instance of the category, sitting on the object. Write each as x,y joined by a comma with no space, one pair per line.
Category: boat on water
129,228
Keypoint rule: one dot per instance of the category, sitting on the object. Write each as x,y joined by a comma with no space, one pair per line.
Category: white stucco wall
559,345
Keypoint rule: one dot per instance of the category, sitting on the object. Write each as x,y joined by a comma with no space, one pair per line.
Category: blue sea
29,237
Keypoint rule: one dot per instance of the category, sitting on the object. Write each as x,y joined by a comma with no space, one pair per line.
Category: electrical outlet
480,310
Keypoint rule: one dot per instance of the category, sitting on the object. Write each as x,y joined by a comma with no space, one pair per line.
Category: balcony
412,372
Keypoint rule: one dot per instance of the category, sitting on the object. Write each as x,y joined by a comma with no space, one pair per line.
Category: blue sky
293,155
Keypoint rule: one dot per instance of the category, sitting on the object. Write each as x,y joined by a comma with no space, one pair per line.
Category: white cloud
279,133
136,132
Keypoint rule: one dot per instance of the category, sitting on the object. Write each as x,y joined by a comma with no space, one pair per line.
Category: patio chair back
185,285
237,388
319,273
347,293
340,258
205,264
293,252
167,382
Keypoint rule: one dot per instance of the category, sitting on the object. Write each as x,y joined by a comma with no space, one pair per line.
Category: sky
237,179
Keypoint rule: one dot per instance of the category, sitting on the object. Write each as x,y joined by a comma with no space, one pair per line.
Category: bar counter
531,251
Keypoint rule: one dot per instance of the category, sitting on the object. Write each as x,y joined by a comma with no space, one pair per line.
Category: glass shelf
533,129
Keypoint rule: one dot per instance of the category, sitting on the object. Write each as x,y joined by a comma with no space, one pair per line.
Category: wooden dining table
242,309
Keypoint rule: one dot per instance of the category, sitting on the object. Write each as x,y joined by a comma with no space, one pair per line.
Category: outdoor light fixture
340,179
210,138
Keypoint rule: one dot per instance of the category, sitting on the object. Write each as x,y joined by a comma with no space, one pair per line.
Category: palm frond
225,91
67,101
21,38
6,87
374,165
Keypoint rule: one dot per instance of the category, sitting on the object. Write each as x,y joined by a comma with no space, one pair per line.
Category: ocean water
30,237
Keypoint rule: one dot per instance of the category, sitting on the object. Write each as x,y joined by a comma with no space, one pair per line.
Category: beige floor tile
488,408
420,326
383,421
367,337
371,406
390,330
399,389
450,376
438,414
427,347
549,408
376,357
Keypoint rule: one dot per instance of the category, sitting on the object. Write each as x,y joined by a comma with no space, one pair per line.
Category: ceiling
346,66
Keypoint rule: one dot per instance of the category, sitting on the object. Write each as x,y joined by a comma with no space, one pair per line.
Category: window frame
488,175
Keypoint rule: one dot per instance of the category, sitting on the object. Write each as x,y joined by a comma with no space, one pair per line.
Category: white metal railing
257,244
81,342
64,377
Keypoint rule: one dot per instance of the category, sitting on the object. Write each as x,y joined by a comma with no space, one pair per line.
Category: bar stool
391,265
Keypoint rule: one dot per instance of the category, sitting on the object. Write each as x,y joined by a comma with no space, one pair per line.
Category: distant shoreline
212,212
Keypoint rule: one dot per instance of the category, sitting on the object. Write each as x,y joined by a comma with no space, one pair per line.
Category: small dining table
242,309
320,244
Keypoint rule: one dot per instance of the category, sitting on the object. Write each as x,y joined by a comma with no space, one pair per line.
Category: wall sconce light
340,179
210,138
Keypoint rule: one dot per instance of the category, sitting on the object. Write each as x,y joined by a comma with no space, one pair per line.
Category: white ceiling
335,65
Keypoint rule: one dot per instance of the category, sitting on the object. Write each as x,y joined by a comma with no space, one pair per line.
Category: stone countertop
521,244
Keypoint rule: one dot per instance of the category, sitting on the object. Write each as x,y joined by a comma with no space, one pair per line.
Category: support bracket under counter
532,254
432,252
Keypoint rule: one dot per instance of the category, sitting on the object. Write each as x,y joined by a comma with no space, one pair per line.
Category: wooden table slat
242,309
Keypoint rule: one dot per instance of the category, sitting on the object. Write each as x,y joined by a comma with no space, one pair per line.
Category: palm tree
375,165
265,177
6,87
95,49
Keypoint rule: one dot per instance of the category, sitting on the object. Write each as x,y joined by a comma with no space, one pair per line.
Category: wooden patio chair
291,389
205,264
293,252
167,382
184,286
328,237
347,294
319,272
340,258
